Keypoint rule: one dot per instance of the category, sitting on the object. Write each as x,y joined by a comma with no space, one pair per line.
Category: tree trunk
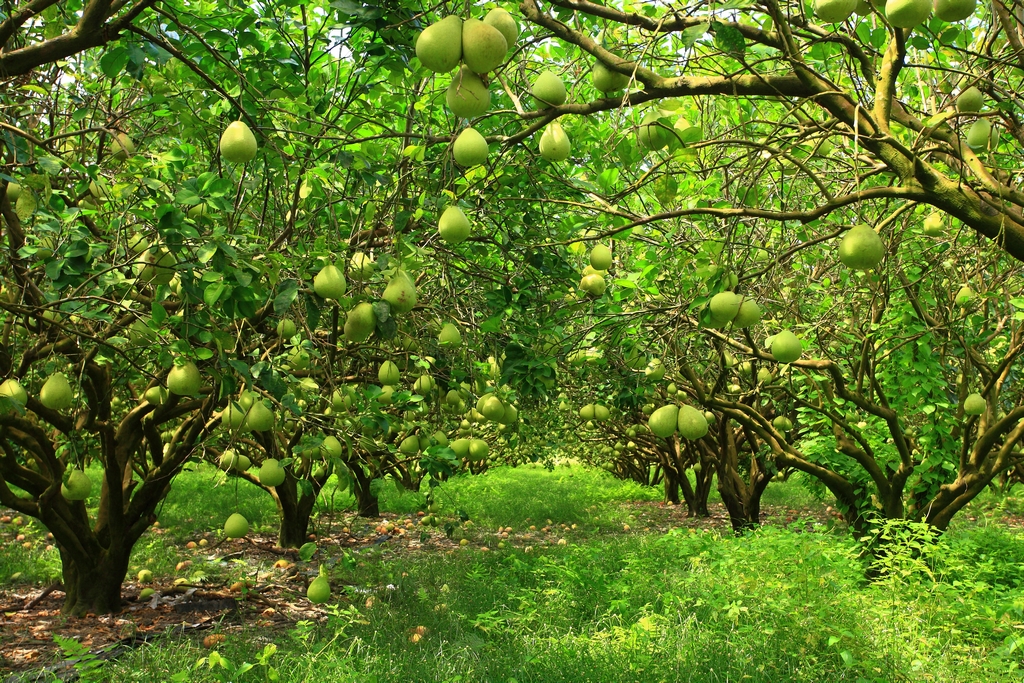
671,487
704,479
366,499
294,521
96,588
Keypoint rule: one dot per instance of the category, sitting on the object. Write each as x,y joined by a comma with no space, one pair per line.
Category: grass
775,605
771,606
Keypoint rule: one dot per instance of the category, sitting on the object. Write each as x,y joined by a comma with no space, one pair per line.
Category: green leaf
728,39
113,61
307,551
381,309
159,314
213,293
693,34
286,297
312,311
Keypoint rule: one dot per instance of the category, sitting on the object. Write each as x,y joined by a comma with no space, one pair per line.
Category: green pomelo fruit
478,449
601,413
286,328
56,392
724,307
975,404
748,314
608,81
664,421
423,385
237,143
935,224
331,447
548,90
236,526
970,101
467,96
441,438
319,590
492,408
510,415
260,418
964,296
184,380
594,285
782,423
78,486
786,347
388,374
410,445
483,46
907,13
470,148
834,11
401,292
121,147
505,23
460,447
99,189
156,266
439,46
271,473
978,134
554,143
13,192
861,248
360,323
453,226
954,10
230,460
298,359
330,283
146,593
386,395
587,412
655,370
449,336
650,133
863,8
691,423
764,376
199,211
137,244
361,266
145,576
600,257
156,396
14,391
233,416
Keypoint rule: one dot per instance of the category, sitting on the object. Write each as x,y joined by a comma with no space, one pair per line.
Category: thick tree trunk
96,588
366,499
294,518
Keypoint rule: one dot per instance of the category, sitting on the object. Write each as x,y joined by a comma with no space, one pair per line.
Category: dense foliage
703,149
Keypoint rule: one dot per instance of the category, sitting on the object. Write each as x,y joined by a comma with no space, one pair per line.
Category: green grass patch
775,605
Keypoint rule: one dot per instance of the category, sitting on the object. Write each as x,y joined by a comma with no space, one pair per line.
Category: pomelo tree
694,147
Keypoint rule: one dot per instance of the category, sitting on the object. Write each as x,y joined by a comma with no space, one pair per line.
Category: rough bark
94,587
366,500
